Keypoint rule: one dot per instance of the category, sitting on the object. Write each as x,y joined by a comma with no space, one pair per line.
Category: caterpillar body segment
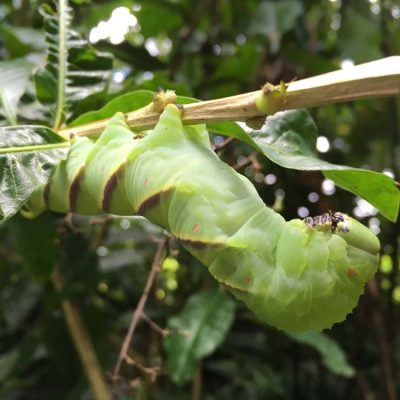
295,275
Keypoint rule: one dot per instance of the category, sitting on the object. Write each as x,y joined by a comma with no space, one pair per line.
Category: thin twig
218,147
374,79
151,371
155,268
162,331
250,159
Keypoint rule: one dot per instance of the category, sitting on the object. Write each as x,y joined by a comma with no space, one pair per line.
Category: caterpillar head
321,267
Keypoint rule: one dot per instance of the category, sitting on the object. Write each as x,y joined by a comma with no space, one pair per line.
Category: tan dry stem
374,79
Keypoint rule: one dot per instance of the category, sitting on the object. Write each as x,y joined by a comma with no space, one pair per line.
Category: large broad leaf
196,332
28,155
74,70
14,79
288,138
332,356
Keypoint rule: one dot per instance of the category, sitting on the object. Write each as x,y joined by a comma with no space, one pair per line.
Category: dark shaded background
206,49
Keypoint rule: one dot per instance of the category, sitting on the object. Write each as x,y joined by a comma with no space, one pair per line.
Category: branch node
161,99
272,98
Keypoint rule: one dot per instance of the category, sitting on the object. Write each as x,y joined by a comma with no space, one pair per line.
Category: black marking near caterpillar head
336,220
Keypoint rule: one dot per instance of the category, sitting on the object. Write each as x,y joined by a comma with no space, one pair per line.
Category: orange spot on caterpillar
352,273
146,182
247,280
195,228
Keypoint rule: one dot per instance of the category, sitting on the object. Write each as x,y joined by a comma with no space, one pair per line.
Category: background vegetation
204,49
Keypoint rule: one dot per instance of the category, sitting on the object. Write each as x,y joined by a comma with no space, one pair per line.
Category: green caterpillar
294,275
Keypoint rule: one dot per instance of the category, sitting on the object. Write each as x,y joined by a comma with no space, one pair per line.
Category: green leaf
125,103
28,155
14,79
289,138
230,128
74,70
378,189
332,356
196,332
186,100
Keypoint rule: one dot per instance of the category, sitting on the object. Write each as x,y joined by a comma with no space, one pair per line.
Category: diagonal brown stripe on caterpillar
110,187
153,201
74,190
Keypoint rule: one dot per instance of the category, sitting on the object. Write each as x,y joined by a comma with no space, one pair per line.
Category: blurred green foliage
204,49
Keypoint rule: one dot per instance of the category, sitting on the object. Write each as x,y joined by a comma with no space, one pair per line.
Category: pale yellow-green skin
291,275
